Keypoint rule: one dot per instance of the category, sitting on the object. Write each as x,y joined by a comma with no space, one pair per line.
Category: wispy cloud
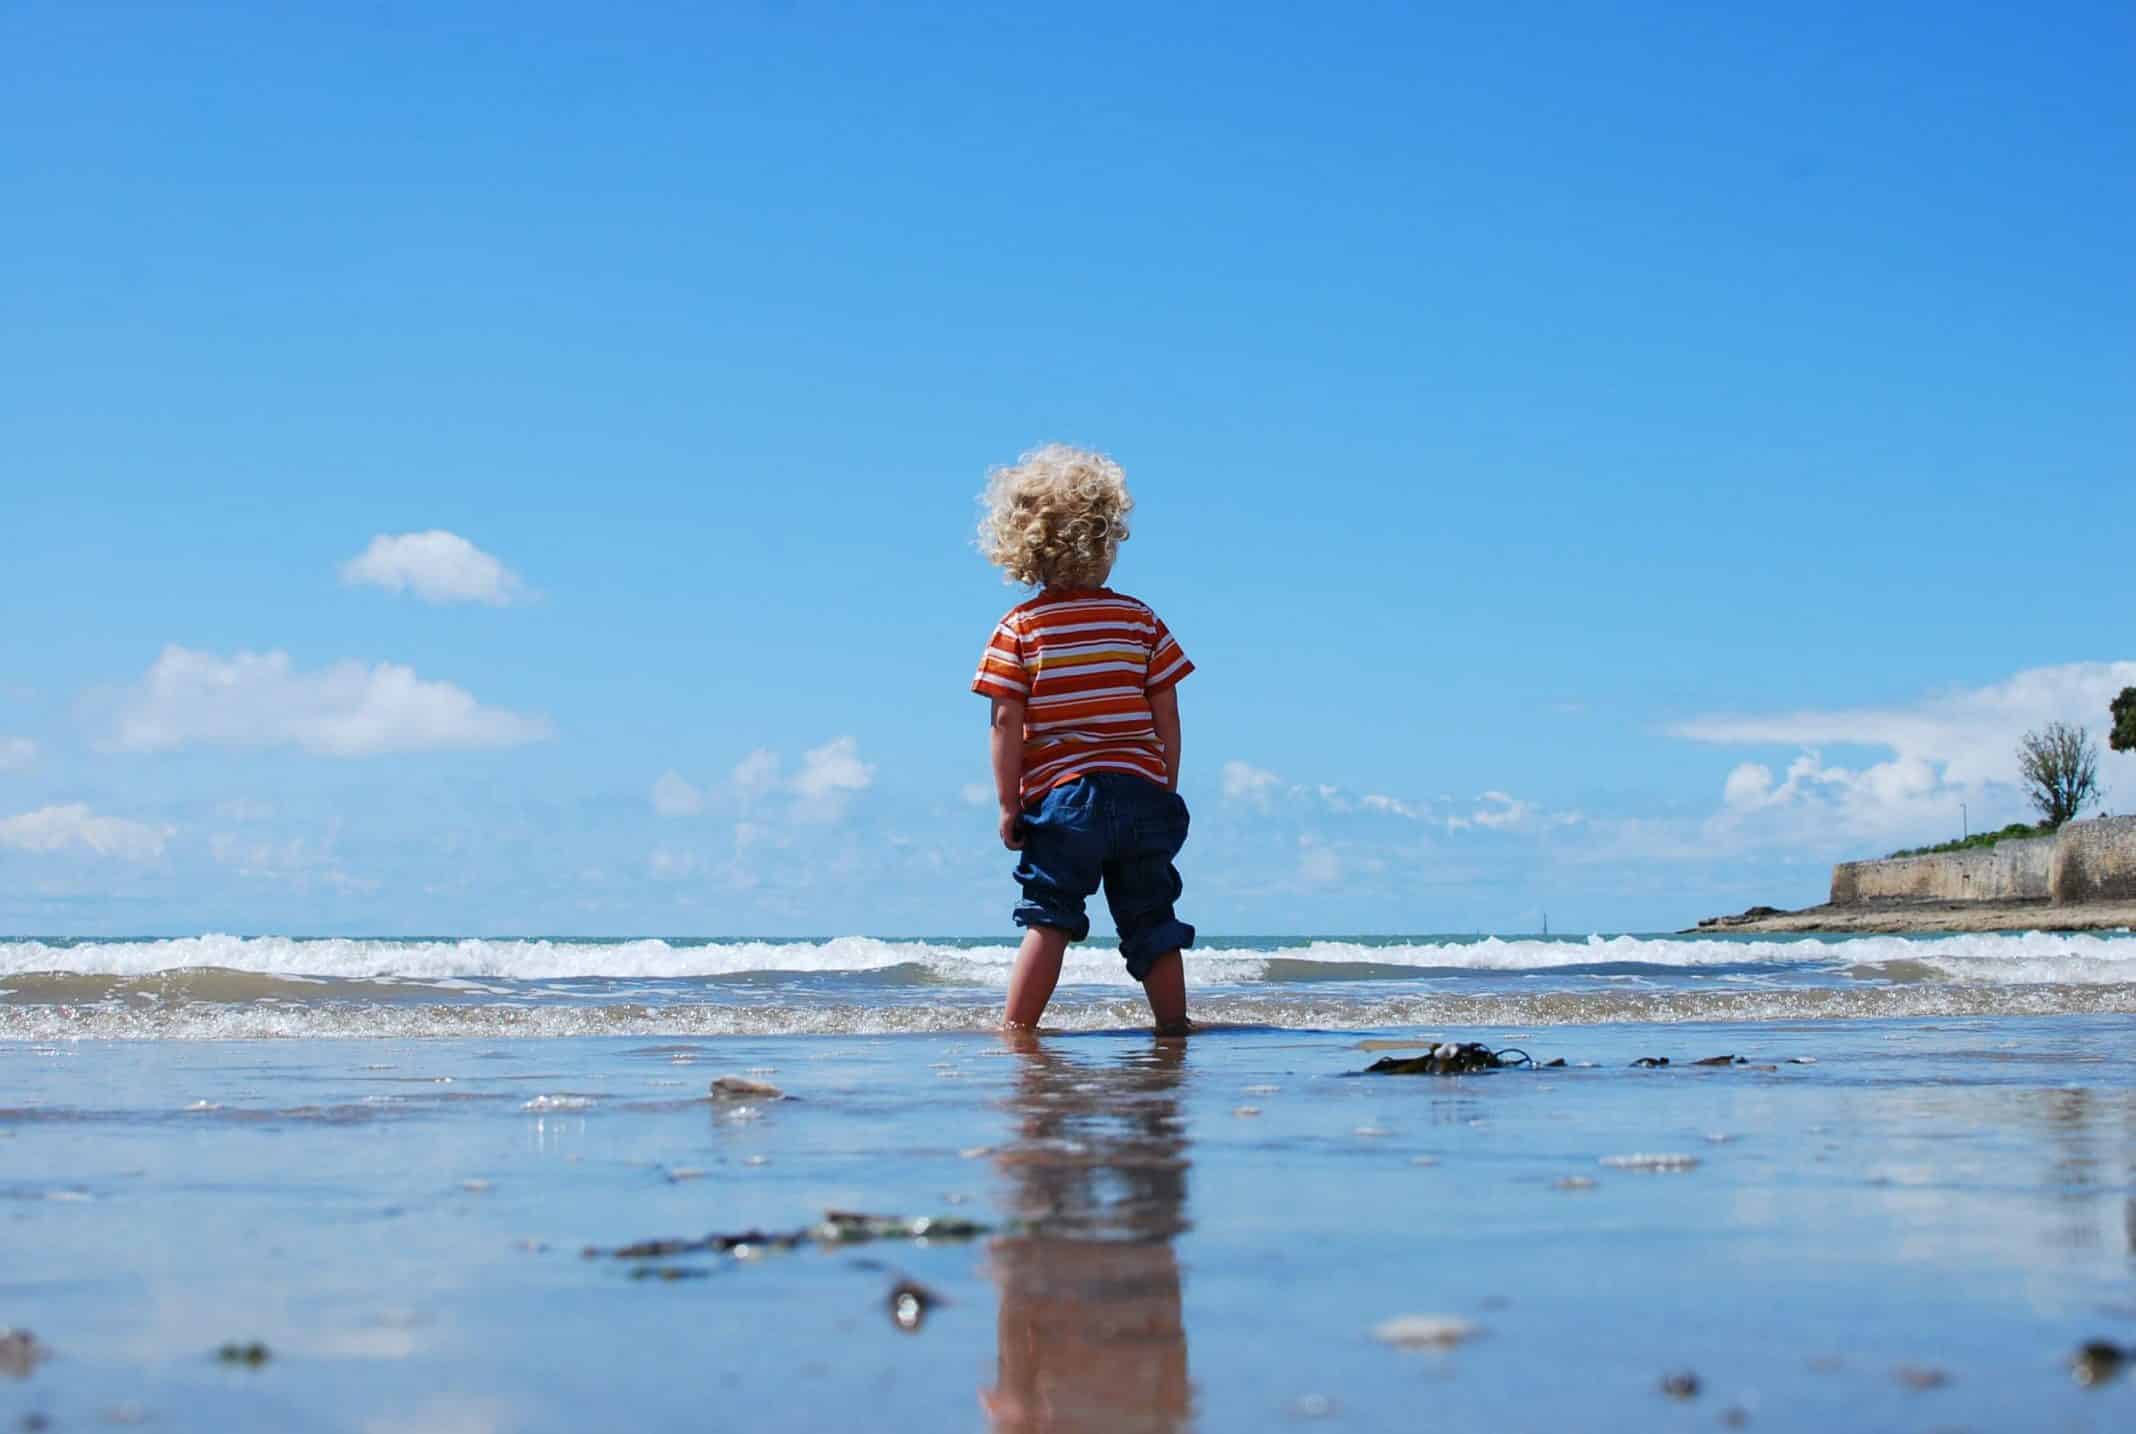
1244,782
829,775
674,796
16,753
346,710
1952,746
437,566
73,825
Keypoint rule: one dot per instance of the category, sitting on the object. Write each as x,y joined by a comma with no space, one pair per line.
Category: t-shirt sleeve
1168,663
1001,667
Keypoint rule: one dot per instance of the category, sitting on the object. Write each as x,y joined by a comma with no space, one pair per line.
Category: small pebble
2098,1361
1802,1060
1423,1331
21,1352
909,1303
1656,1164
742,1088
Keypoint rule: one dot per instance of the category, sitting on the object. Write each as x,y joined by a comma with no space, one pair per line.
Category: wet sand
1915,1231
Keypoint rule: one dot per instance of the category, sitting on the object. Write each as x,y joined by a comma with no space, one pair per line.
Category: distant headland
2081,877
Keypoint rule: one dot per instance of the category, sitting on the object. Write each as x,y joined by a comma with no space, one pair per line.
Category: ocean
483,1185
220,987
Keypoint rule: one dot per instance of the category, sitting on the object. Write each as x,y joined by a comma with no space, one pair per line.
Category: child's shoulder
1046,599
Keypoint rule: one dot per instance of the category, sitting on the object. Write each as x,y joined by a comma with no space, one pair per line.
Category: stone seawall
2095,861
2008,871
2084,862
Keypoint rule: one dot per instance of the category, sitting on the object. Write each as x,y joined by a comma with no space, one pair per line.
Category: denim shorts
1114,829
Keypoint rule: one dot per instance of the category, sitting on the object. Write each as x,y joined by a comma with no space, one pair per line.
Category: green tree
2060,766
2124,710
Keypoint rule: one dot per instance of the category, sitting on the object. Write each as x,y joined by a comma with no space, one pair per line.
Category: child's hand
1012,828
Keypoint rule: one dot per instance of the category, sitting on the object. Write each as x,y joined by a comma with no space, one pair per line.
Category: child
1085,732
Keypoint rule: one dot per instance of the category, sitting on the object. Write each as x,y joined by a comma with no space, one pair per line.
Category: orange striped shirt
1084,663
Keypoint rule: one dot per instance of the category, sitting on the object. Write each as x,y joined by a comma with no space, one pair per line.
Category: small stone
2097,1361
1721,1061
1683,1384
251,1355
1650,1062
1921,1376
1424,1331
729,1087
1802,1060
21,1352
1657,1164
909,1303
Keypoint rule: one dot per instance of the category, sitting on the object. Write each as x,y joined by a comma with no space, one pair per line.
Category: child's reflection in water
1096,1161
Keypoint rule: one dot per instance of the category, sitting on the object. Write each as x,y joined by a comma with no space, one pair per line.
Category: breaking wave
2010,959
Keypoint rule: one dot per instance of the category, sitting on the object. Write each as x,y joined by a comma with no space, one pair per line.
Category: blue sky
1598,407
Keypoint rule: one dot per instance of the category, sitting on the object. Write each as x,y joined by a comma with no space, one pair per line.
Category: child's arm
1164,715
1005,740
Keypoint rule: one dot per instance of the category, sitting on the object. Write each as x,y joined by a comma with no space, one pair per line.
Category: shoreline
1890,917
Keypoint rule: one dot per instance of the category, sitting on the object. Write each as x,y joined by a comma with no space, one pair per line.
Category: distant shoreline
1898,918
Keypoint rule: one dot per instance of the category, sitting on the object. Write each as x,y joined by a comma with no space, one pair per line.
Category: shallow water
1912,1232
224,987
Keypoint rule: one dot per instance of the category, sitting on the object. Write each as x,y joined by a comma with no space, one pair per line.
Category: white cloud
757,773
1503,811
1971,734
346,710
1393,806
16,753
54,829
436,566
1950,747
675,797
1245,782
976,794
829,775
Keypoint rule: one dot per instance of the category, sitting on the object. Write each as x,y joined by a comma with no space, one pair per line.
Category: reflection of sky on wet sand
1095,1163
1951,1194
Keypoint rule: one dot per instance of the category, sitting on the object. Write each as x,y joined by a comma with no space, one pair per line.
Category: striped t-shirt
1084,662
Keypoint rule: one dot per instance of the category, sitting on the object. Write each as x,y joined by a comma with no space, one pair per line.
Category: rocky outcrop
2083,878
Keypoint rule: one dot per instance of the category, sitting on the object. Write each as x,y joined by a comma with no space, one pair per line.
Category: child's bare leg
1038,971
1166,987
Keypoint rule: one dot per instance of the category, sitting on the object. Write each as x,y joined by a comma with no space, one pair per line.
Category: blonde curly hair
1056,517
